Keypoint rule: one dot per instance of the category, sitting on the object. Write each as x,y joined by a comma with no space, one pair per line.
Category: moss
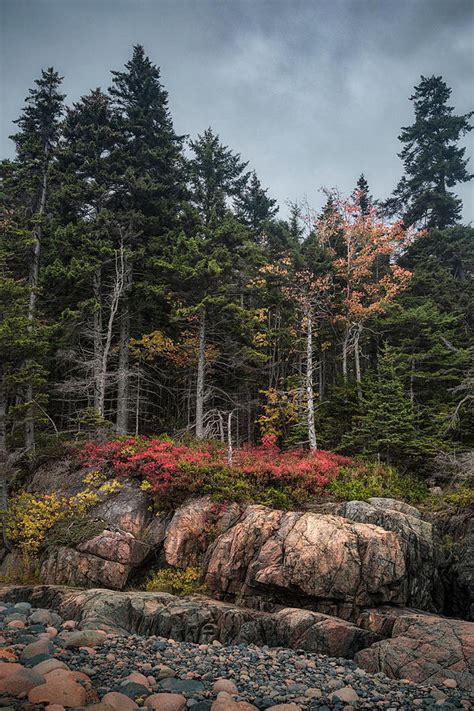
74,529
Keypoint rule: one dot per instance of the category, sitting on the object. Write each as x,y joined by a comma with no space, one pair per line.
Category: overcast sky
311,92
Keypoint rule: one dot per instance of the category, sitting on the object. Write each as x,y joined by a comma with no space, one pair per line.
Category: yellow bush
110,487
94,478
177,582
30,516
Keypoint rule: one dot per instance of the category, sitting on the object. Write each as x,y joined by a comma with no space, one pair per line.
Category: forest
149,287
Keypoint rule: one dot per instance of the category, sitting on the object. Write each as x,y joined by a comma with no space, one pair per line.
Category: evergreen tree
254,207
432,160
388,427
148,200
362,196
27,184
83,248
216,175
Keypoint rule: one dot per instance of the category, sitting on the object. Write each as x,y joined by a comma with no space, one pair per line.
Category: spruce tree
83,248
433,162
388,428
254,207
27,184
362,195
148,199
216,175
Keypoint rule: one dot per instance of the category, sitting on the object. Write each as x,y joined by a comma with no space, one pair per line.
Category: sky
311,92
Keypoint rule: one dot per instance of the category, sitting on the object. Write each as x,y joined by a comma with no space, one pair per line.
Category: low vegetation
176,582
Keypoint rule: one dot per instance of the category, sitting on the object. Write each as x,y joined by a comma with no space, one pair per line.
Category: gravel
263,676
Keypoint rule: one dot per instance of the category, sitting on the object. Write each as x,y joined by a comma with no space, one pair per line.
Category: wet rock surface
123,672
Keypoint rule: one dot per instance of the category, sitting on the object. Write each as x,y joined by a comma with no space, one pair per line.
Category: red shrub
175,471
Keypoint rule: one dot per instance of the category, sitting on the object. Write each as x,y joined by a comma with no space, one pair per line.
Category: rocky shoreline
48,661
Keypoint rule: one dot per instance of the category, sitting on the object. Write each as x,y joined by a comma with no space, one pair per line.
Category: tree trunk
230,452
357,361
117,291
309,383
137,406
345,349
124,355
200,383
33,282
123,375
97,338
3,422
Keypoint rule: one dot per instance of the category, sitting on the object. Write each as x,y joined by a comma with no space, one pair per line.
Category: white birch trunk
97,338
309,383
117,291
200,381
357,361
230,452
33,282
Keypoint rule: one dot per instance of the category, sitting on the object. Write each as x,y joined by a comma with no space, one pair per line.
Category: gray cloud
312,92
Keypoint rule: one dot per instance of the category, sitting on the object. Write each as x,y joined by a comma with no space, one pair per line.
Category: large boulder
127,510
423,648
116,546
66,566
106,559
417,541
192,528
322,558
197,620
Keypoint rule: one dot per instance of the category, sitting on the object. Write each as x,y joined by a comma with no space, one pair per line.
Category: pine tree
388,427
216,175
27,182
432,160
362,196
254,207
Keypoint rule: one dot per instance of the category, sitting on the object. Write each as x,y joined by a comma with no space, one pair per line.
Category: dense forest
148,286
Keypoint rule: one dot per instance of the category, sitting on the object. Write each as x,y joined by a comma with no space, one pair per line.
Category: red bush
177,470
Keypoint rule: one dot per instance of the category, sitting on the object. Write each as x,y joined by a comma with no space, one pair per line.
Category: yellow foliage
174,581
94,478
182,354
30,517
145,485
279,411
111,487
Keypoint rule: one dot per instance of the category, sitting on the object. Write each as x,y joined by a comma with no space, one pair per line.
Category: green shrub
177,582
372,480
462,498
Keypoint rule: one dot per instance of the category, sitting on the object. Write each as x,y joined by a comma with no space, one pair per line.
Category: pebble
166,675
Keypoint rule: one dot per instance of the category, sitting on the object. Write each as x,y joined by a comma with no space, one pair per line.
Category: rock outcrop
415,537
191,528
400,642
69,567
197,619
369,554
421,647
334,563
